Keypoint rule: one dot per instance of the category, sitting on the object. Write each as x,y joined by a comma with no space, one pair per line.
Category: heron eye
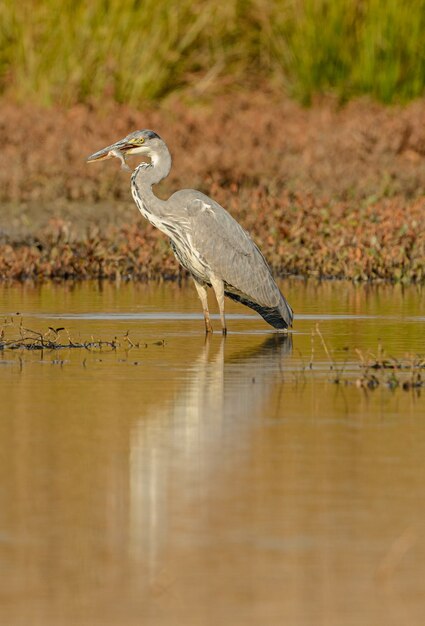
141,140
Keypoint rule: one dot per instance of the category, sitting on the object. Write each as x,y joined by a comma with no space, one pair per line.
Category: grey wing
231,254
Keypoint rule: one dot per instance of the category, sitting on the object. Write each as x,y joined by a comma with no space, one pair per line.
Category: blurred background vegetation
69,51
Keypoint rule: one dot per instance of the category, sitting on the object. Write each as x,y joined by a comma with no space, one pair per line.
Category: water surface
210,482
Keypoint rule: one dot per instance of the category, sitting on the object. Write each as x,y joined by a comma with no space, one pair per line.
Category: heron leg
202,293
218,286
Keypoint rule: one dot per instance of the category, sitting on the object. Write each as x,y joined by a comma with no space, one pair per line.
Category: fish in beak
139,142
118,150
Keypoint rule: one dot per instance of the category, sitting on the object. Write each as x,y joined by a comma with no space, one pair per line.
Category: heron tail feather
278,317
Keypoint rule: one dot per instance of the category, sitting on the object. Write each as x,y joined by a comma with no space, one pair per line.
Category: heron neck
159,168
142,179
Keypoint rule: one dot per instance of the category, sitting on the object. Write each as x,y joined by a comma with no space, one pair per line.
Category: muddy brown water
204,483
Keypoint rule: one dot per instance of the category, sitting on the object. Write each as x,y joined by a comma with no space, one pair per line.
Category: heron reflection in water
206,240
227,388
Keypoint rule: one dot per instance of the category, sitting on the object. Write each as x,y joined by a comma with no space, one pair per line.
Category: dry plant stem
34,340
325,347
310,365
129,341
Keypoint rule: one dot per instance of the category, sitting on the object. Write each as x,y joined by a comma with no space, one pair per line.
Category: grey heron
205,238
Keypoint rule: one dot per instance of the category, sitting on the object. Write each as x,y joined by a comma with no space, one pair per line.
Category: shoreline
335,192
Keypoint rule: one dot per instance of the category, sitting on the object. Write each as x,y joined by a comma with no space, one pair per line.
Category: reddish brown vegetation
324,192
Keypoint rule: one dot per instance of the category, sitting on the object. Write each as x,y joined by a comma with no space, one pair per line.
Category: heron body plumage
206,240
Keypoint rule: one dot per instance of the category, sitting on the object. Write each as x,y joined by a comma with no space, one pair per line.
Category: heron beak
111,151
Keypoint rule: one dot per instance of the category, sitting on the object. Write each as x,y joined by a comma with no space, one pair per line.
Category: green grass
63,52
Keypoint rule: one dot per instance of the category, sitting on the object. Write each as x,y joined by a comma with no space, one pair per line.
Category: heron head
140,142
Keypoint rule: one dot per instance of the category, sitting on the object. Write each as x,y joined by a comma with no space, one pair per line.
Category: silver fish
119,155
